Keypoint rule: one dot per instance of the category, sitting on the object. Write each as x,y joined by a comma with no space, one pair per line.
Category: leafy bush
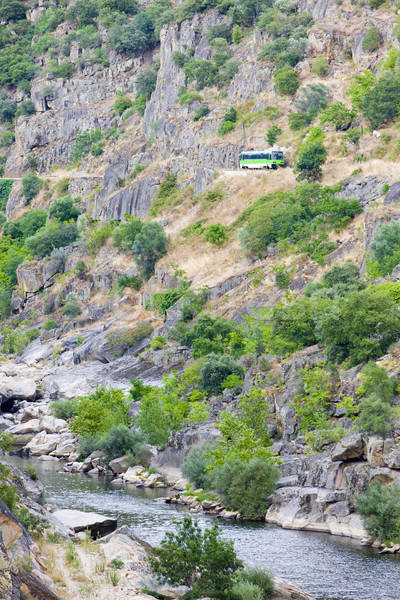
379,104
216,369
50,324
286,81
31,186
121,440
259,578
348,334
8,110
201,112
146,83
204,72
125,233
63,409
100,411
80,269
63,209
55,236
372,39
312,99
134,281
310,159
186,97
195,465
119,342
216,234
61,70
208,335
6,139
84,143
337,115
379,508
149,246
228,122
200,560
71,308
273,133
376,415
220,31
122,103
320,66
385,246
236,35
153,420
28,225
246,486
179,58
5,190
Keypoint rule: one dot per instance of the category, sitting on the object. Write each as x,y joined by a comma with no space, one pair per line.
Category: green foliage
273,133
6,139
146,83
286,81
201,112
198,412
125,233
362,83
302,218
158,342
228,122
216,234
208,334
379,508
34,524
359,327
17,68
310,159
380,102
97,236
246,486
120,341
166,194
372,39
84,143
71,308
50,324
134,281
61,70
5,190
204,72
260,579
337,115
12,10
149,246
31,186
216,369
153,420
232,382
179,58
376,415
162,301
63,209
80,269
8,110
312,99
320,66
202,561
195,466
186,97
236,35
312,403
282,277
32,473
385,246
134,37
14,341
47,239
122,103
99,412
121,440
63,409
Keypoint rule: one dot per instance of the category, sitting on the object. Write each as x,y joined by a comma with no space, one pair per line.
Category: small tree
202,561
379,508
146,83
31,186
63,209
320,66
149,246
372,39
286,81
273,133
216,234
236,35
310,159
380,102
216,369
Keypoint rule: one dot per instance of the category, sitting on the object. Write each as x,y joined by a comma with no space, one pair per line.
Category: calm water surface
326,566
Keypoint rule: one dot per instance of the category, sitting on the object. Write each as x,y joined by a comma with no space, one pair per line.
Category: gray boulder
77,520
349,448
393,194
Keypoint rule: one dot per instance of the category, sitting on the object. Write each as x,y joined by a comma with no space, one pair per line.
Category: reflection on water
330,567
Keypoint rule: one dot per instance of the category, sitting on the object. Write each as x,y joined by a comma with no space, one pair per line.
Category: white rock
19,388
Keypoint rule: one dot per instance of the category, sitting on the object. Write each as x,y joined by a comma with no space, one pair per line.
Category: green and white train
261,159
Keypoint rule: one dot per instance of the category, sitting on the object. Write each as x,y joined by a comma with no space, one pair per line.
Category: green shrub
216,234
71,308
372,40
149,246
273,133
216,369
122,103
8,494
220,31
186,97
98,412
158,342
337,115
119,342
376,415
244,590
298,121
208,334
380,102
83,144
286,81
162,301
246,486
236,35
195,465
201,560
232,382
261,579
80,269
8,110
125,233
359,87
50,324
179,58
5,190
347,334
201,112
320,66
379,508
61,70
228,122
90,442
312,99
310,159
134,281
121,440
32,473
31,186
146,83
385,246
153,420
63,210
97,237
63,409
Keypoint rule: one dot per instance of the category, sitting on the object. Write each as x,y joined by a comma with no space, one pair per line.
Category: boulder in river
77,520
16,388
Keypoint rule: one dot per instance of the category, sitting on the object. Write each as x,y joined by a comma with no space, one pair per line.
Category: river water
326,566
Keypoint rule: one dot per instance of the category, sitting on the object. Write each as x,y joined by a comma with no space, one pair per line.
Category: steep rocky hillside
126,221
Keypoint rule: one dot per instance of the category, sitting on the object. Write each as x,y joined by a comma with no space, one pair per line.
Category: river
326,566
